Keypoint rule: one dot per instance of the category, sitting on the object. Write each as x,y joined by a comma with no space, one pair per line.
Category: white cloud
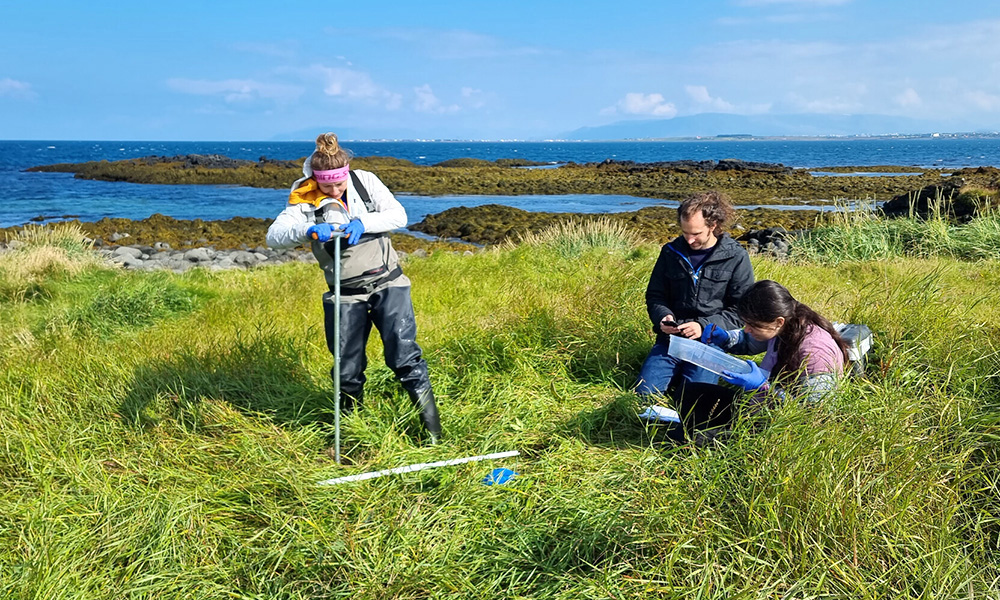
699,94
352,84
348,83
877,76
474,98
908,98
429,103
393,101
637,103
983,100
235,90
16,89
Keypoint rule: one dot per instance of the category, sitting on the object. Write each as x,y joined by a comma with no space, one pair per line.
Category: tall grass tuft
68,236
131,302
571,238
865,235
39,257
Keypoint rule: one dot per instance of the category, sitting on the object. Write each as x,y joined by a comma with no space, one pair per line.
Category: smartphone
669,323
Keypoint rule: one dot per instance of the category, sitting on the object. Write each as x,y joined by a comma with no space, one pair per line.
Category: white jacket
289,228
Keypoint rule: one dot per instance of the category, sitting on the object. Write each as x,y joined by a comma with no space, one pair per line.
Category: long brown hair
767,300
329,154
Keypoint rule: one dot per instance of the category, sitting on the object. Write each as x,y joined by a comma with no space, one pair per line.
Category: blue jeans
660,369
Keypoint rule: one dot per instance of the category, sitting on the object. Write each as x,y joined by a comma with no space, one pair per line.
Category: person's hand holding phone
691,330
668,325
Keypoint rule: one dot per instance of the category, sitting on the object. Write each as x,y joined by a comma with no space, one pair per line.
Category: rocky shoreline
453,230
745,182
161,256
145,249
774,242
164,242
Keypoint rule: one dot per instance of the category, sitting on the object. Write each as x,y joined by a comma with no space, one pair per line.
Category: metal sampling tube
336,346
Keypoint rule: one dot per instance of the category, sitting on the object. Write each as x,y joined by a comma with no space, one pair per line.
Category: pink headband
333,175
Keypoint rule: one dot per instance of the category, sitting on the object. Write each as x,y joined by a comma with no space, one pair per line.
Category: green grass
866,236
162,435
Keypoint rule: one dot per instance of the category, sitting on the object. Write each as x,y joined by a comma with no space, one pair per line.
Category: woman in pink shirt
804,357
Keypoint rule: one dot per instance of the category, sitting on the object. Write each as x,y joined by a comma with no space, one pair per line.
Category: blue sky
253,70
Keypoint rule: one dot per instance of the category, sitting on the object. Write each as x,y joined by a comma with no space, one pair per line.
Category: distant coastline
725,137
733,137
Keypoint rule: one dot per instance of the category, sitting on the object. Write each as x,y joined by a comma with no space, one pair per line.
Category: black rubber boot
423,400
351,401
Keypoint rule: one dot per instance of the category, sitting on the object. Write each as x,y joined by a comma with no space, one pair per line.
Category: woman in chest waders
333,198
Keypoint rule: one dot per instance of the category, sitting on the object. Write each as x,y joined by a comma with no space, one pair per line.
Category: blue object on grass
499,476
660,414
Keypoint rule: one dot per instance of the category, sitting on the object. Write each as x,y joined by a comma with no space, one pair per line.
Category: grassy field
162,436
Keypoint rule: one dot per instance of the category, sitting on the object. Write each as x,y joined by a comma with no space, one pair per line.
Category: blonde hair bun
329,154
327,143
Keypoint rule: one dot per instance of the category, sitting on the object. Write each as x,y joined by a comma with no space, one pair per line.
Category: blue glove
748,381
713,334
321,232
354,229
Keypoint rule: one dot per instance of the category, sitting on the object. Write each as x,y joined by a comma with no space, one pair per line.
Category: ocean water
24,196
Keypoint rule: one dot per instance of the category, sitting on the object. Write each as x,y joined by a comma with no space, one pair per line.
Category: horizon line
730,137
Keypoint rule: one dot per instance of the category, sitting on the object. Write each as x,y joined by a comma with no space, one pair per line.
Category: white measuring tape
417,467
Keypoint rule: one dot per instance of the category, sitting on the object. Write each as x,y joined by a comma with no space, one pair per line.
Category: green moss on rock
494,223
745,183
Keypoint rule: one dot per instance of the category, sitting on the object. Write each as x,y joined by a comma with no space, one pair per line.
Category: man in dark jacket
698,279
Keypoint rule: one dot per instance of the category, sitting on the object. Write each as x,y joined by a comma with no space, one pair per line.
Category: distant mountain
720,124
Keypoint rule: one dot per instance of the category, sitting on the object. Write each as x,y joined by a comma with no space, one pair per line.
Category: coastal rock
197,255
921,200
746,182
732,164
178,261
773,241
242,257
223,264
135,258
127,260
953,198
190,161
690,166
128,251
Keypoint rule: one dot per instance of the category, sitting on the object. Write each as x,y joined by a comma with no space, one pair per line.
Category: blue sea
28,195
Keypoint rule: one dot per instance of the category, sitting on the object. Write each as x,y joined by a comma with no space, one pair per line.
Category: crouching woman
804,357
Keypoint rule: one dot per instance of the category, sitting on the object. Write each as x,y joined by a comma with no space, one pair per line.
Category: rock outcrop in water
744,181
962,196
